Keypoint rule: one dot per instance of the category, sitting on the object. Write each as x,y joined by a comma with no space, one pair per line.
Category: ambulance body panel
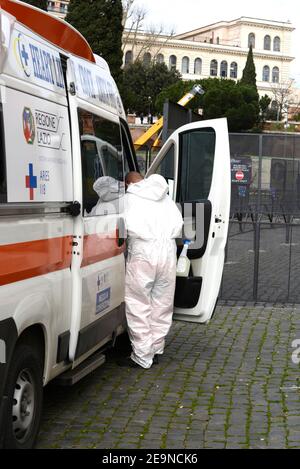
62,271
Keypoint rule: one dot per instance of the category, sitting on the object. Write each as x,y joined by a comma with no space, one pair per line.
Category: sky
186,15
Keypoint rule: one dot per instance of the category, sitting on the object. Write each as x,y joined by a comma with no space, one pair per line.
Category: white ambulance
62,266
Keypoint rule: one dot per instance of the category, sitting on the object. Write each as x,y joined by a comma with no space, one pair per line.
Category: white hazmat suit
153,222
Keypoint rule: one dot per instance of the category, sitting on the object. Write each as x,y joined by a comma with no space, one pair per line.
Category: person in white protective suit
111,196
153,221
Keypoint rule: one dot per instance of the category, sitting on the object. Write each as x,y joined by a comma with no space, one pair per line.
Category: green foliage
142,82
264,104
296,117
42,4
249,73
222,98
100,22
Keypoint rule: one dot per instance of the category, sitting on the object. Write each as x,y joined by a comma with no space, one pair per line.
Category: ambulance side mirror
74,209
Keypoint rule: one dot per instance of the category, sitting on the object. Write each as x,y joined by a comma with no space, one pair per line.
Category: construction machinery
157,126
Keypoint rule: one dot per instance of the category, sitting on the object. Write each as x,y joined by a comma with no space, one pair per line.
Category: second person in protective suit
153,222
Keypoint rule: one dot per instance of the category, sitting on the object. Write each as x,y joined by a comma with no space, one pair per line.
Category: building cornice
213,48
278,25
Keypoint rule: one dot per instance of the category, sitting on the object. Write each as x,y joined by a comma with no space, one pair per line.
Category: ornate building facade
58,8
220,50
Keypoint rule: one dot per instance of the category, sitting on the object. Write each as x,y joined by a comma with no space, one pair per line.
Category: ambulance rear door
196,163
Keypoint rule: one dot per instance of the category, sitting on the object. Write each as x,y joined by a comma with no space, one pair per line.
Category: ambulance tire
24,389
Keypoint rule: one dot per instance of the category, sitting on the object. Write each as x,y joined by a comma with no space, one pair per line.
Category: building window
233,70
276,44
224,69
267,43
275,75
160,59
198,66
266,73
185,66
213,68
251,40
128,57
147,59
172,62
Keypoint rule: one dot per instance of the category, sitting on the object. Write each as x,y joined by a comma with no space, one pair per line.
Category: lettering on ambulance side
103,294
37,62
92,84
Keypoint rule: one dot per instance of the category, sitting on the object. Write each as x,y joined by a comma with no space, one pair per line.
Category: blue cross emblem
31,182
24,55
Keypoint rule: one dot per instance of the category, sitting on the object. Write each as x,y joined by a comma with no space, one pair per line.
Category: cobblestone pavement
230,384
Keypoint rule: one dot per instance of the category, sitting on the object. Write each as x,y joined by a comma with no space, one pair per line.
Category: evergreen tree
222,98
142,84
100,22
42,4
249,73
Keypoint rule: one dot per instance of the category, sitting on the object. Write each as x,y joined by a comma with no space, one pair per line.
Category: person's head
132,178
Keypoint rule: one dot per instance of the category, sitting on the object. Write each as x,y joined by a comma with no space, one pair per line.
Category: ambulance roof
52,29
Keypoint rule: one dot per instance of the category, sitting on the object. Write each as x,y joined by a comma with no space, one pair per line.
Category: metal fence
263,250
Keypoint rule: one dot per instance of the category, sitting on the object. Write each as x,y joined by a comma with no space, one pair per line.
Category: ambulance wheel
24,389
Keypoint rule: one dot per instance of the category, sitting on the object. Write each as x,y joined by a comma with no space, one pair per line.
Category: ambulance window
128,149
197,150
166,169
3,198
102,161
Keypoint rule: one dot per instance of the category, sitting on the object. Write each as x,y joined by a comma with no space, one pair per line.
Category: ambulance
62,263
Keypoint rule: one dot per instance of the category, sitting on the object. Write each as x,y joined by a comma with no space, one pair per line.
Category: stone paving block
228,384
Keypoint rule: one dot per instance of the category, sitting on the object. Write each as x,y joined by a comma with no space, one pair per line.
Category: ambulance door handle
121,232
218,220
74,208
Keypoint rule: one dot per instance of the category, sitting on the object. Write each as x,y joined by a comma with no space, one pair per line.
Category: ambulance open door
196,164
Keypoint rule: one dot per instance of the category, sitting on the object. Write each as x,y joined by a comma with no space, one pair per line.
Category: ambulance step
71,377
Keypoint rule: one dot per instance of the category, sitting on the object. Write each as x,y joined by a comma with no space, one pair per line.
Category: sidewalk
230,384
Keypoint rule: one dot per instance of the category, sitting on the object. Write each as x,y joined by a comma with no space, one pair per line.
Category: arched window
275,75
198,66
185,66
266,73
233,70
276,44
160,59
147,59
224,69
128,57
213,68
172,62
251,40
267,43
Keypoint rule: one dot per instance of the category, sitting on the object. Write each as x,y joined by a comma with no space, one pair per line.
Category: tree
264,104
249,72
142,84
100,22
42,4
222,98
154,38
283,96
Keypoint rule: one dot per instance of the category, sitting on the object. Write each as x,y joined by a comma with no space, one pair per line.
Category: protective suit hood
153,188
107,188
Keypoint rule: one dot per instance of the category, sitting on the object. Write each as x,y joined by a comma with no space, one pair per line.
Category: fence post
257,224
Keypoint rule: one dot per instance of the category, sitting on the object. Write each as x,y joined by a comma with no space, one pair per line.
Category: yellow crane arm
157,126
